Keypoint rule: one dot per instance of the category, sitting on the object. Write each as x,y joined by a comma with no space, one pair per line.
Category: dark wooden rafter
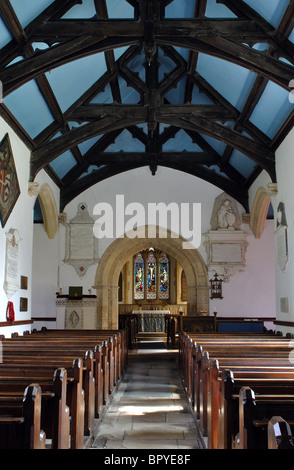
228,39
280,37
80,38
101,10
171,161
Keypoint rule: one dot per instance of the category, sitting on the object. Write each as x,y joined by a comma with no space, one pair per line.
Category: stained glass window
139,277
151,276
163,277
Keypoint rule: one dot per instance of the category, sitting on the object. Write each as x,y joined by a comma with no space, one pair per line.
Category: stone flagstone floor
150,409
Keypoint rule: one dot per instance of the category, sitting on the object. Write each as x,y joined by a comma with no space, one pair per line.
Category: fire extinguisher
10,315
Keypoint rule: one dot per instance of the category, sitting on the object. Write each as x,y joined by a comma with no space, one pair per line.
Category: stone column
191,301
113,307
102,306
202,300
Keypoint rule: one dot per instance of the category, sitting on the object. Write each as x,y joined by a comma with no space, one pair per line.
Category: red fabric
10,315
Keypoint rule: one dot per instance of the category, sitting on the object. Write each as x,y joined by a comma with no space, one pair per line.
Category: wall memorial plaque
11,263
281,237
81,246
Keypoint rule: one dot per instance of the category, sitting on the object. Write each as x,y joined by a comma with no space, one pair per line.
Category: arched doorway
114,258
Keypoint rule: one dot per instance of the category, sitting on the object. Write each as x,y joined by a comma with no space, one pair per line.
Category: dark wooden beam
200,35
123,111
275,70
261,154
46,153
195,28
230,187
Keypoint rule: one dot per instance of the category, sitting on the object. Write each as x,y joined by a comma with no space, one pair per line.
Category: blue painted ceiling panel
230,80
30,109
119,9
128,94
217,145
126,142
70,81
272,109
180,9
181,142
85,10
85,146
242,163
63,164
5,36
27,10
217,10
270,10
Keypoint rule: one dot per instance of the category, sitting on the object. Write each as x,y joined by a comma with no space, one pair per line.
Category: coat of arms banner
9,186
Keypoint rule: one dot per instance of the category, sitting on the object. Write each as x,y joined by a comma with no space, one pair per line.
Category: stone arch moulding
49,210
114,258
259,211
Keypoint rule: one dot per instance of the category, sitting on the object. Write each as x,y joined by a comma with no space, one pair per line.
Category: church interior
147,221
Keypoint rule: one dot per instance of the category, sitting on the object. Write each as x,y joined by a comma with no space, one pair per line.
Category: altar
151,320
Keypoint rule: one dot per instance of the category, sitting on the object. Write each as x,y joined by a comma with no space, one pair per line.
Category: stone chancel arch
259,211
114,258
49,210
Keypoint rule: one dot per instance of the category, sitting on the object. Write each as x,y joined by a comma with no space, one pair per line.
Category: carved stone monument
281,237
226,243
11,263
81,246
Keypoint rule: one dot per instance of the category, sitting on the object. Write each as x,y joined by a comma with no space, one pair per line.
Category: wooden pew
245,356
255,413
116,344
13,375
225,346
188,343
279,434
228,423
55,412
204,390
211,388
20,420
61,346
69,348
119,337
30,353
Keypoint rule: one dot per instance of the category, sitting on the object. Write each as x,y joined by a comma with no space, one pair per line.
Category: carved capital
245,218
62,217
272,189
33,188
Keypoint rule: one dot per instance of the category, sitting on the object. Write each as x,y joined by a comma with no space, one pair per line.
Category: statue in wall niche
225,214
226,217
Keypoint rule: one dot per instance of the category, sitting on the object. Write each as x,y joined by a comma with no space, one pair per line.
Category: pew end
279,434
24,431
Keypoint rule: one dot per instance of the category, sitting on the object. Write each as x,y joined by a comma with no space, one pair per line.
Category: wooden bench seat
102,357
279,434
210,391
20,420
65,359
254,360
67,403
263,387
255,413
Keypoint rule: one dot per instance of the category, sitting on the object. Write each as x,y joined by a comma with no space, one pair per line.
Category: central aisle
150,409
